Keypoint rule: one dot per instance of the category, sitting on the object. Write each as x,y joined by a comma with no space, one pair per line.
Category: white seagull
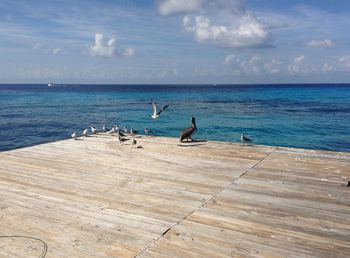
245,139
133,142
74,135
112,131
86,132
156,114
94,130
148,131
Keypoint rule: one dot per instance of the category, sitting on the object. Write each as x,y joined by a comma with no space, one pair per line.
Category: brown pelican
245,139
156,113
186,133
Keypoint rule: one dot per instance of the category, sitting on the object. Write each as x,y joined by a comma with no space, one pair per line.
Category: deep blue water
306,116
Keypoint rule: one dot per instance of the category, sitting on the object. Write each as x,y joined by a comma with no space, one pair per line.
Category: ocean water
304,116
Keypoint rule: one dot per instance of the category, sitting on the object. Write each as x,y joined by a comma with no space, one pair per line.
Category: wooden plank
96,198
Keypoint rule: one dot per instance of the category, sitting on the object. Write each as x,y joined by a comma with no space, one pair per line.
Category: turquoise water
306,116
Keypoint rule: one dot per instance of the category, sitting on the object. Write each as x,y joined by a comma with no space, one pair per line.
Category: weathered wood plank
96,198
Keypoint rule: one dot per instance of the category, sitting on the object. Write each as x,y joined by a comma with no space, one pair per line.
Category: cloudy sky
174,41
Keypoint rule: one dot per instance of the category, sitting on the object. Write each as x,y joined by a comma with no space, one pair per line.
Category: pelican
245,139
133,142
74,135
94,130
188,132
156,114
86,132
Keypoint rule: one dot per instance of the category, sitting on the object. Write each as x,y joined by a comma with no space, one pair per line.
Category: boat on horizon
50,84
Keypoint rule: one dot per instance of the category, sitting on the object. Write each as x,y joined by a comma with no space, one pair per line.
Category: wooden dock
96,198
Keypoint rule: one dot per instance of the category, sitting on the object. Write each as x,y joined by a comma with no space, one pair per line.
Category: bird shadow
190,145
194,140
193,143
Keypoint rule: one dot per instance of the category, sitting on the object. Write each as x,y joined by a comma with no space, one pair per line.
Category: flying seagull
156,113
245,139
74,135
188,132
86,132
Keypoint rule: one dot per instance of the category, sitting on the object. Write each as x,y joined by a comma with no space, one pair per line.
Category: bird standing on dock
245,139
188,132
94,130
104,129
74,135
132,132
133,142
156,113
86,132
112,131
148,131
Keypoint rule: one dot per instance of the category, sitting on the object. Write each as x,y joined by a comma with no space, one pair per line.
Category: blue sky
174,41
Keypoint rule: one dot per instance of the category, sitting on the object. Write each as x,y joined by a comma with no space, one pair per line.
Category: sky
175,41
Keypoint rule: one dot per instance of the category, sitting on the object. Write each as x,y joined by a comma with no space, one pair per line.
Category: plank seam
204,203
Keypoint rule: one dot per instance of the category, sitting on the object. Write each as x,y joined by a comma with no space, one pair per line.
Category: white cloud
225,23
320,43
326,67
100,48
344,62
229,59
36,46
56,51
273,66
247,33
168,7
129,51
254,65
299,66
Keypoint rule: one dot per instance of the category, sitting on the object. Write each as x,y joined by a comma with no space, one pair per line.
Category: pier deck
96,198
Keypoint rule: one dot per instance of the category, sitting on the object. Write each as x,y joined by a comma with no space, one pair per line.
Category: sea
312,116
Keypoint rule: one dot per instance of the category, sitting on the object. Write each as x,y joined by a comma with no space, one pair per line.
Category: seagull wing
247,139
163,108
154,108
